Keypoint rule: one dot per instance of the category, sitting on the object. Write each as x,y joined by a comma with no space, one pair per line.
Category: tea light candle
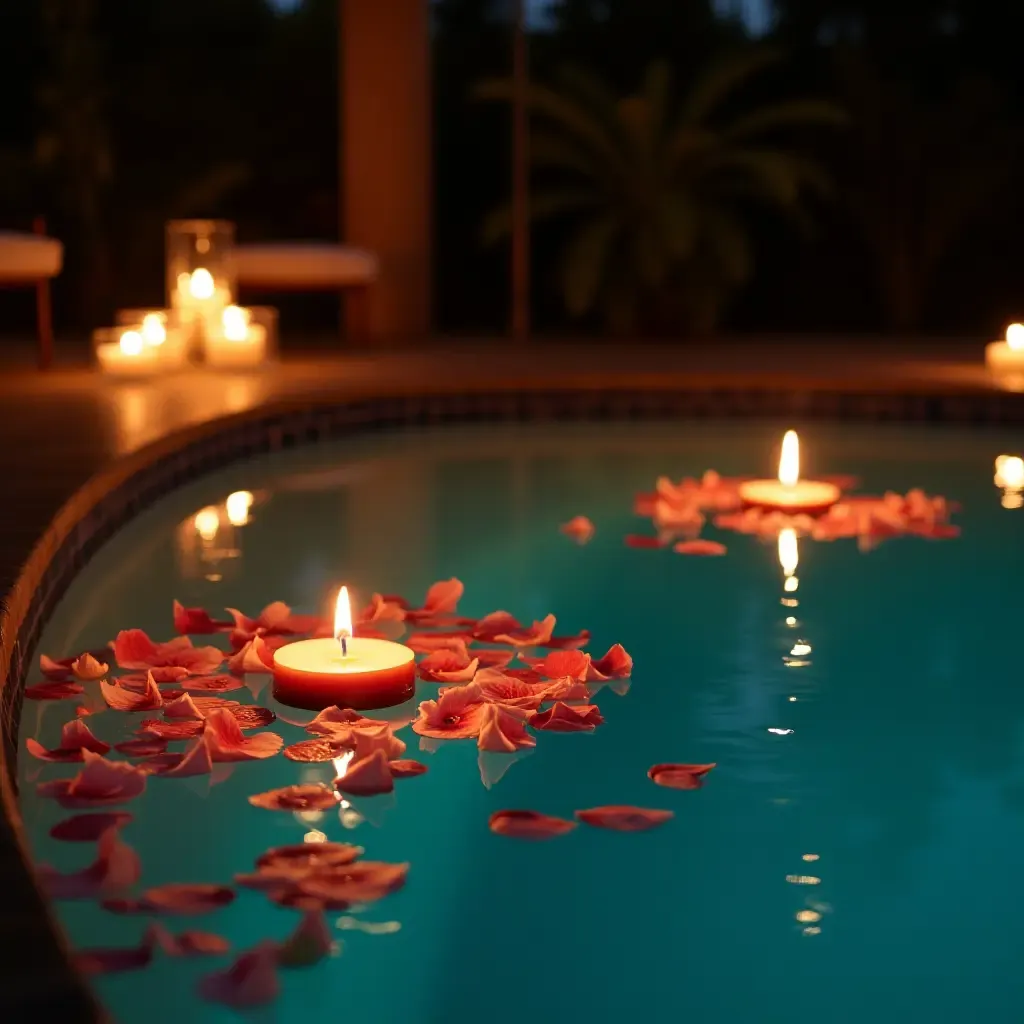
129,356
1009,353
238,342
789,493
350,671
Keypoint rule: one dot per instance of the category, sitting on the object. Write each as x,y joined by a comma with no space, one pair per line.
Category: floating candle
350,671
1005,359
789,493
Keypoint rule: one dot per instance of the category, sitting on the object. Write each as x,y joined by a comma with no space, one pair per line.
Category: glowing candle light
1005,359
237,506
347,670
789,493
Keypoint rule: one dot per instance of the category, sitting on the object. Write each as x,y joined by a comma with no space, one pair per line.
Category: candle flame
789,460
237,505
342,615
153,330
235,321
207,522
200,284
1015,336
1010,472
789,552
130,343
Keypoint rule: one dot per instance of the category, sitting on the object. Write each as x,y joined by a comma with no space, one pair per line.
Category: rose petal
310,796
502,732
427,643
500,688
568,643
559,664
226,742
75,738
529,825
187,943
196,760
251,716
490,627
255,656
133,649
120,699
624,818
579,528
531,636
327,721
183,707
308,944
197,621
699,546
146,747
87,828
380,609
679,776
299,858
212,684
368,776
87,668
99,783
116,867
493,657
568,718
456,714
635,540
54,691
442,598
54,668
113,960
447,666
406,769
360,882
153,728
615,664
250,981
189,899
310,751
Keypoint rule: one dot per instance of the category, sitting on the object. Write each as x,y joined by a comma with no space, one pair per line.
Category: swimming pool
852,855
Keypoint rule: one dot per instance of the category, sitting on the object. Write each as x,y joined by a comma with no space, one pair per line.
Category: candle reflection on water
1010,479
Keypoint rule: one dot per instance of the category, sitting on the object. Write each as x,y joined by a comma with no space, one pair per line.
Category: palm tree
657,190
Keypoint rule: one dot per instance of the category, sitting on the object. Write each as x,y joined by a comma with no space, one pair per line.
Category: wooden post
44,309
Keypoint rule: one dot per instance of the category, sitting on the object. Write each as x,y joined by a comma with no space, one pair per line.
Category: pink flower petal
406,769
380,609
502,732
153,728
138,681
251,716
493,657
54,691
624,818
634,540
499,688
563,689
188,899
197,621
133,649
559,664
529,825
360,882
300,858
196,760
309,796
679,776
699,546
121,699
579,528
99,783
183,707
212,684
250,981
568,643
187,943
255,656
54,668
308,944
88,828
490,627
456,714
75,738
146,747
615,664
428,643
368,776
442,599
113,960
313,751
226,741
88,669
447,666
537,634
116,867
568,718
327,721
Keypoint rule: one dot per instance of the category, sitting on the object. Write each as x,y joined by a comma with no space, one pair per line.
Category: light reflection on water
865,783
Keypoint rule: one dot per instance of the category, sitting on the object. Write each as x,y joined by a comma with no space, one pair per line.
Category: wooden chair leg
44,323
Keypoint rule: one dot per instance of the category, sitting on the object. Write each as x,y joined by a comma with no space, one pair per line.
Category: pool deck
59,429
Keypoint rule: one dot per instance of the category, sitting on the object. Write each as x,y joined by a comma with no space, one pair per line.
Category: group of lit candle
1005,359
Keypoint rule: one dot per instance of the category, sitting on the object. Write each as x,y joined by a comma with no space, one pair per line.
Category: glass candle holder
200,267
160,329
123,352
245,337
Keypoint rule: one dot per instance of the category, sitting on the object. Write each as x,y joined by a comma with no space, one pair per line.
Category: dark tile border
36,977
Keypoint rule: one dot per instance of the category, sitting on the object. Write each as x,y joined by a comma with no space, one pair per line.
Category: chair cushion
304,265
26,257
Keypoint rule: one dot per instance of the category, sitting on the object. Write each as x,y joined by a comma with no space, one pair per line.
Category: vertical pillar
385,161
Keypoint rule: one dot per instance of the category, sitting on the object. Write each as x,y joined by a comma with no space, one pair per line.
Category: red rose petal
142,747
636,540
304,797
529,825
116,867
327,721
700,546
55,668
99,783
252,980
615,664
493,658
679,776
369,776
87,828
427,643
75,738
492,626
197,621
442,599
255,656
309,943
212,684
187,943
226,742
54,691
113,960
529,636
133,649
121,699
311,751
406,769
559,664
447,666
499,688
188,899
502,731
568,718
299,858
456,714
154,728
250,716
568,643
624,818
363,881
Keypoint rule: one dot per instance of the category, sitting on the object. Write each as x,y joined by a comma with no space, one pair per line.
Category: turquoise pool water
859,863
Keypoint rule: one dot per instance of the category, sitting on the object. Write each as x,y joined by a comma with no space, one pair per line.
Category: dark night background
118,115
